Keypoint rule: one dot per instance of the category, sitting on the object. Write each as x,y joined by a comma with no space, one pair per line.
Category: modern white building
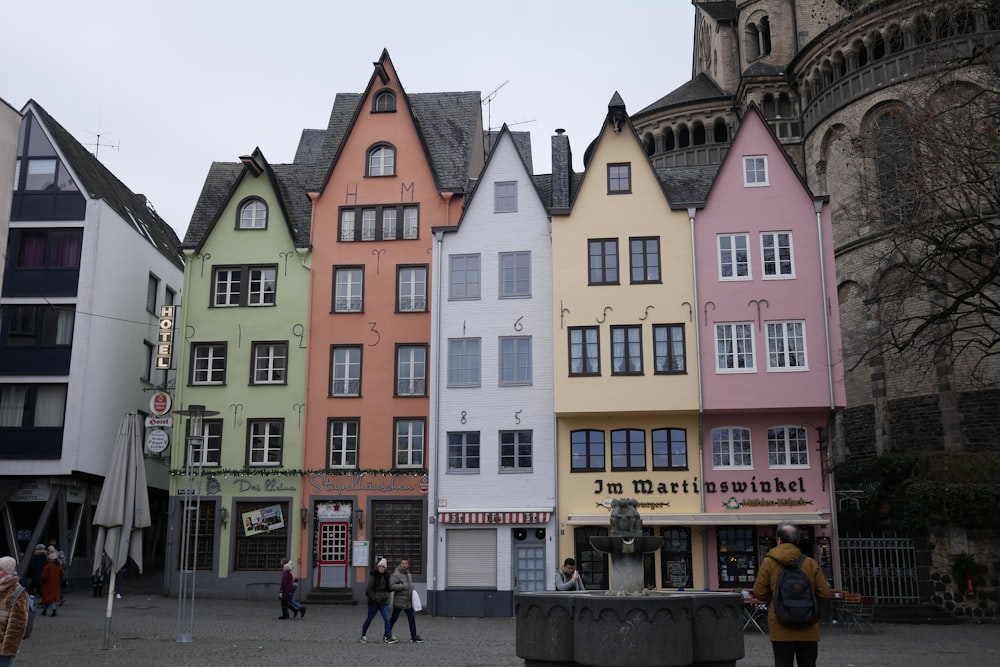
90,264
492,463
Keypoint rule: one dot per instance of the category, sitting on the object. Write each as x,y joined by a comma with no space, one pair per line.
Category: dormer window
253,215
381,161
385,102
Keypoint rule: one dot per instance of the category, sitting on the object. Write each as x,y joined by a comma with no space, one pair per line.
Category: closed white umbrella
123,508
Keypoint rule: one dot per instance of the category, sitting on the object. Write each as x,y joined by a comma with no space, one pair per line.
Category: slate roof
543,183
522,141
98,182
687,186
310,147
698,89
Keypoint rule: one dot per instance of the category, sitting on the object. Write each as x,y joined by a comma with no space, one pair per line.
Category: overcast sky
171,88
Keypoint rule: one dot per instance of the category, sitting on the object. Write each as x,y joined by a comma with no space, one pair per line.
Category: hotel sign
165,338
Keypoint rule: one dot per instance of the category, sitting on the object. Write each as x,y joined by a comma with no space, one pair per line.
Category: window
208,451
381,161
731,448
676,558
587,451
345,370
515,451
412,291
208,363
515,360
626,350
787,446
620,178
409,443
463,277
411,370
603,261
463,451
244,286
343,438
348,289
734,258
385,101
584,351
628,449
32,405
734,347
147,361
37,326
265,442
169,296
253,215
463,362
382,222
515,275
265,540
668,349
786,345
152,288
270,363
201,533
754,170
505,197
669,449
47,248
737,558
776,254
397,531
645,254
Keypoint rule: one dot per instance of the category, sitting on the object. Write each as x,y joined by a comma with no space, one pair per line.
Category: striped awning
494,517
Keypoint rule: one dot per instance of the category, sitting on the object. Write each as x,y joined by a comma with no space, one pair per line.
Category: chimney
562,172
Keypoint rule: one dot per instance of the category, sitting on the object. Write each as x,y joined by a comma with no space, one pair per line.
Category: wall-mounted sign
263,520
165,338
157,440
159,422
160,403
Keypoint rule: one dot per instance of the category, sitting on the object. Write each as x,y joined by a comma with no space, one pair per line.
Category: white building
492,466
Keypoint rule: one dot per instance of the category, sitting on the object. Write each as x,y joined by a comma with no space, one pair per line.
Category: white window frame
389,223
381,161
466,374
411,222
270,363
505,197
786,442
771,269
464,279
411,372
343,444
409,442
262,285
207,452
210,369
412,289
369,217
786,348
253,215
515,275
729,257
755,172
729,444
347,219
345,371
265,438
733,335
226,287
515,360
348,289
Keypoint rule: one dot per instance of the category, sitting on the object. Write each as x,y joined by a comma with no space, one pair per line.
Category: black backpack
795,602
31,611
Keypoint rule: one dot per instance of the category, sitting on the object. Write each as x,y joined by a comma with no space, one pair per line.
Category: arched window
699,133
683,137
385,101
942,25
765,36
768,106
721,132
862,53
878,46
669,142
381,161
923,32
965,22
895,39
784,106
649,143
894,163
253,215
839,65
753,42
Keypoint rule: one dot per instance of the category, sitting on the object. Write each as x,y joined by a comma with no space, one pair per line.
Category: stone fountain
628,626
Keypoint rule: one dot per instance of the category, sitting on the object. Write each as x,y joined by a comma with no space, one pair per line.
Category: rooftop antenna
97,141
488,101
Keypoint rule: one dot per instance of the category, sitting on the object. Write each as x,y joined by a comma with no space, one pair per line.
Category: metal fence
885,567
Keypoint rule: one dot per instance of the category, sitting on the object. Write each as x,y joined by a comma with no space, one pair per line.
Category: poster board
359,553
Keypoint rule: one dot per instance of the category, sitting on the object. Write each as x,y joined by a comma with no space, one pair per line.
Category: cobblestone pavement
144,632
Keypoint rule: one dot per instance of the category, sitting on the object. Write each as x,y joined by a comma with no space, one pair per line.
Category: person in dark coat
377,594
401,583
33,574
790,644
287,587
52,581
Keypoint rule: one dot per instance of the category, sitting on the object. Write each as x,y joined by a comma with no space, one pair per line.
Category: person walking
401,583
52,582
790,644
13,613
567,578
377,594
293,604
287,587
33,575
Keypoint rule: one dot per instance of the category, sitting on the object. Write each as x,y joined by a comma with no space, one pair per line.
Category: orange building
397,165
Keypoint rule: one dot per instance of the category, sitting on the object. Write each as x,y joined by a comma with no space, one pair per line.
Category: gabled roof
522,141
543,183
687,186
98,182
699,89
447,124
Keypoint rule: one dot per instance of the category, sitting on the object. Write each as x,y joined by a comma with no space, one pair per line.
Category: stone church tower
829,75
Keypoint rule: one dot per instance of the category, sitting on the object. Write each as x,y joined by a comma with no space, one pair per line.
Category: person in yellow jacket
790,643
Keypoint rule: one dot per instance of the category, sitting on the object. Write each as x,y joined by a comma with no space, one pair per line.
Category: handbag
415,602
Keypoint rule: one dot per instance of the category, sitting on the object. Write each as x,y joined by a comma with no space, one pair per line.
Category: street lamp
196,441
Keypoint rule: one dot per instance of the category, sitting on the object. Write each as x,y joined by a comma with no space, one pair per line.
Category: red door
334,538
